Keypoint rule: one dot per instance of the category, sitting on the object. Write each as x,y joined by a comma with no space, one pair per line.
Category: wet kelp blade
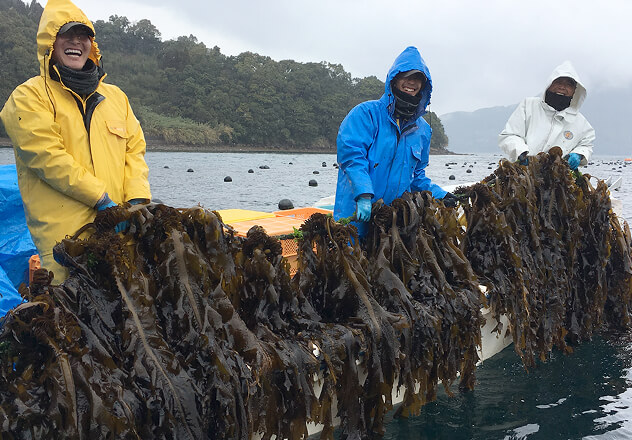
553,255
179,329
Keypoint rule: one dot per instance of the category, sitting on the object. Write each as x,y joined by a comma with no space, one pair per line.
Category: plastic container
301,213
276,227
34,264
229,216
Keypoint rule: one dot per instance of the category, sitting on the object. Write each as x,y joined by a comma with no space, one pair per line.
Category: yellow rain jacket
64,167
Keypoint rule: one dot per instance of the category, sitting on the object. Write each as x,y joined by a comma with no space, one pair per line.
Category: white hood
567,69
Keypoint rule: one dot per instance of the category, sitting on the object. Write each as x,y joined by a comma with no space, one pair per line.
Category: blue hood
409,59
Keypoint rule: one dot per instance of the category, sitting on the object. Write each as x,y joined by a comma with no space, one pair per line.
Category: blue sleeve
355,137
421,182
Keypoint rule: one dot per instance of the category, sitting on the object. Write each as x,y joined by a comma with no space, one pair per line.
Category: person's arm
421,182
585,146
38,143
136,184
512,139
355,137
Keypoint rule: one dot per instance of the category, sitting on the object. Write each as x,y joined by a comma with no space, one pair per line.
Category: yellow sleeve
136,170
38,143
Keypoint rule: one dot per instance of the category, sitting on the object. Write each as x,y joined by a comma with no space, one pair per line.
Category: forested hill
186,93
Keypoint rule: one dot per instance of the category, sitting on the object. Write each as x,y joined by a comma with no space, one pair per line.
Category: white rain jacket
535,126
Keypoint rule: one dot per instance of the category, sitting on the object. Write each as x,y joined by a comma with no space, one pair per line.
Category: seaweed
177,328
542,239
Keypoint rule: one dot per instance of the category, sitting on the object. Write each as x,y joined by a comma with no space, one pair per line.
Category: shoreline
157,145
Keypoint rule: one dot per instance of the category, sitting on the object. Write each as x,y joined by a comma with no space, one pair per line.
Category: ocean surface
584,395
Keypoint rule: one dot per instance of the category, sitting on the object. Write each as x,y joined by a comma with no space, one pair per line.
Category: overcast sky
480,53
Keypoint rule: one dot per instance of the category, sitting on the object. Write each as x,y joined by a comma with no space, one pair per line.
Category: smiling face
563,86
72,48
411,84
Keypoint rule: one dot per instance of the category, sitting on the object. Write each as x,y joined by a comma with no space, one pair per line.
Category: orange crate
273,226
301,213
34,264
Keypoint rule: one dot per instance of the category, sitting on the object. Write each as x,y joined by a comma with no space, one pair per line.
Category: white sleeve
512,139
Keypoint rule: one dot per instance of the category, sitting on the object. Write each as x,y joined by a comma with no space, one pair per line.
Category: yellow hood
56,14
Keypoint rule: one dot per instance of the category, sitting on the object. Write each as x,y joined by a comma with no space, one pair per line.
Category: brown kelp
180,329
551,252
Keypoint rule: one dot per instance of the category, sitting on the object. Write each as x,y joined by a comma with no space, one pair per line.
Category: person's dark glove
450,200
573,160
136,201
363,209
523,159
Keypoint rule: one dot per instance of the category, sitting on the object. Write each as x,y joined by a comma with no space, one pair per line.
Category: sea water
583,395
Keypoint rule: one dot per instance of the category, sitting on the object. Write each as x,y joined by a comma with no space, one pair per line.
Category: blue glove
136,201
363,209
122,226
104,202
523,159
573,160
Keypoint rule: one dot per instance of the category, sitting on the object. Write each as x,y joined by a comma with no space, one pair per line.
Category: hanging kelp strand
178,328
546,244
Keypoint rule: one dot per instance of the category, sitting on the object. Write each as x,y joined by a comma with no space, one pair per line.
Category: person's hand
450,200
136,201
523,159
573,160
363,209
104,202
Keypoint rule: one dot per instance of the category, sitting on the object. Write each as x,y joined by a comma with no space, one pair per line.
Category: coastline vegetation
190,96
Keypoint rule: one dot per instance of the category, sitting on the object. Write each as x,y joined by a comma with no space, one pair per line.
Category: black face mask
405,104
557,101
83,82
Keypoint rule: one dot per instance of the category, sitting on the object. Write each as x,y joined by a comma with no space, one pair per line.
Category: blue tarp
16,245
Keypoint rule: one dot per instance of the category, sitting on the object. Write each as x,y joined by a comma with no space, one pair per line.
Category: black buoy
324,164
452,177
228,179
251,171
285,204
489,168
166,167
264,167
190,170
313,183
468,171
316,172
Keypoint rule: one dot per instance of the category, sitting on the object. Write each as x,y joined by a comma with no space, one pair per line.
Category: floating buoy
316,172
190,170
264,167
324,164
313,183
452,177
228,179
285,204
166,167
468,171
628,159
251,171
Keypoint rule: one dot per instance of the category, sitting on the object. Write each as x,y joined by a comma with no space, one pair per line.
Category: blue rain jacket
377,156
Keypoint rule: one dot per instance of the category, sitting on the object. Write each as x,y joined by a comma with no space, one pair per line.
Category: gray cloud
480,53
